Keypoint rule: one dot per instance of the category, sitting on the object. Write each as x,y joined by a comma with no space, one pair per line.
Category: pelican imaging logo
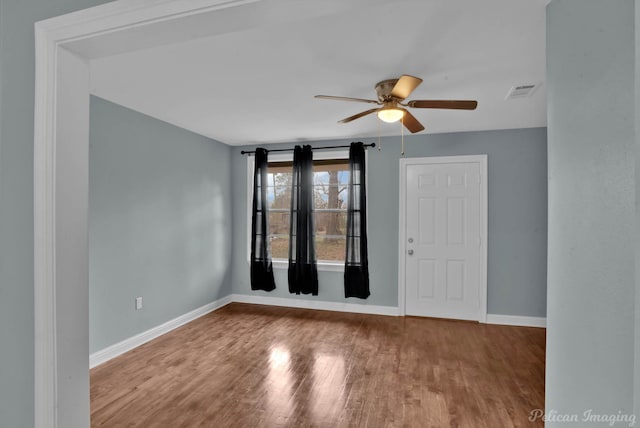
588,416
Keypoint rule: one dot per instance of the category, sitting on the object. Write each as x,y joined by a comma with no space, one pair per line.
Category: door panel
427,278
442,240
456,213
428,225
455,280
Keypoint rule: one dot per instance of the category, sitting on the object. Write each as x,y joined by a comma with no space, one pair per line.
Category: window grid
331,178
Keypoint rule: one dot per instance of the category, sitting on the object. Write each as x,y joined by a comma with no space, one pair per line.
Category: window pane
331,185
343,177
279,234
270,196
281,179
320,178
280,247
331,249
330,196
331,224
330,190
330,179
278,223
281,197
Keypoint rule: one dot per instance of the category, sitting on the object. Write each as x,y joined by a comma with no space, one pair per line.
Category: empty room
261,213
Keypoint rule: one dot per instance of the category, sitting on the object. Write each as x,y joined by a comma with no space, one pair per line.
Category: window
330,183
330,186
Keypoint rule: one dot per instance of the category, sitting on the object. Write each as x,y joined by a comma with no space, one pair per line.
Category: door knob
410,252
410,240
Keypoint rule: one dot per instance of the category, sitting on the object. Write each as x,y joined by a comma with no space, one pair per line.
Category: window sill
322,266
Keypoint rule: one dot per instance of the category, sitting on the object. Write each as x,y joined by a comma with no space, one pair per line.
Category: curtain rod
314,148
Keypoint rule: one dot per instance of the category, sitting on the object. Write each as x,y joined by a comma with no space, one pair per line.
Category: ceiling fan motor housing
384,89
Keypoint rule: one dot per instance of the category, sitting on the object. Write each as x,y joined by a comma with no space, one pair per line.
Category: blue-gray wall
517,240
16,201
159,222
590,317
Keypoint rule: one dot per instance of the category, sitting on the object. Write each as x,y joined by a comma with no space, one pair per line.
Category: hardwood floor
262,366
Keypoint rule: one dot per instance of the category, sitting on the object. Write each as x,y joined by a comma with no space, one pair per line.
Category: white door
443,248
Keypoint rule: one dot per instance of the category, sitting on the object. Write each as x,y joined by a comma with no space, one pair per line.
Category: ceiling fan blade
405,85
358,116
359,100
411,123
444,104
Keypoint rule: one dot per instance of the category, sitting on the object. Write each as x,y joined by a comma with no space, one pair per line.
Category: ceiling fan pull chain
379,142
402,135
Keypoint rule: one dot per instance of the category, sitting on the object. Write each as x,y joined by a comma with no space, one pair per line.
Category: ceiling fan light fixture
390,115
392,94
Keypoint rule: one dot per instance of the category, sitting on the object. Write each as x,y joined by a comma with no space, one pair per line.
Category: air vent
521,91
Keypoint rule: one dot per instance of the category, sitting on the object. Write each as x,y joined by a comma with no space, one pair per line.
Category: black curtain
356,266
303,270
261,266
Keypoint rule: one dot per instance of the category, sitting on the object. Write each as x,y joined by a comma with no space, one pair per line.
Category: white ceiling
249,75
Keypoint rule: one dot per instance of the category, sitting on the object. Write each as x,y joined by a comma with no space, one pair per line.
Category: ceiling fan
391,96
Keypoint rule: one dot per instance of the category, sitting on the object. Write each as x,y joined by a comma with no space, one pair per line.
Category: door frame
64,46
481,160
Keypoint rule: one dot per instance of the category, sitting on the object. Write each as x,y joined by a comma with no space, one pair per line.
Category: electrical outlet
138,303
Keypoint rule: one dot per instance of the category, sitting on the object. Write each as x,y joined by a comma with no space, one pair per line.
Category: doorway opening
64,46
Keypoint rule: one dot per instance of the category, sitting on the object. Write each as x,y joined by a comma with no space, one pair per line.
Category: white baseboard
126,345
120,348
315,304
517,320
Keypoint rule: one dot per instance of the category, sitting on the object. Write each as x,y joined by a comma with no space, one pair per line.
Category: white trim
484,236
316,304
113,351
519,321
402,226
50,37
323,266
45,353
126,345
124,15
482,161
